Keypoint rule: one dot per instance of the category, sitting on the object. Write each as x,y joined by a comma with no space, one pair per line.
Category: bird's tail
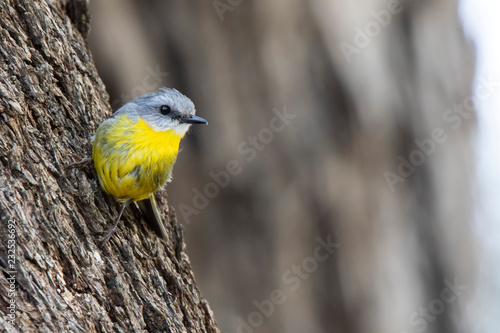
150,211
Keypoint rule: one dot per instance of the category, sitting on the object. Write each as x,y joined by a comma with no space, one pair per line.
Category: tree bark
52,99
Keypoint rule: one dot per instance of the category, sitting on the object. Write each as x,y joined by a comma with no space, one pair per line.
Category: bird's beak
193,120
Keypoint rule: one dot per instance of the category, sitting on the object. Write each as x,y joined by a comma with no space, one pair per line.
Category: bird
135,150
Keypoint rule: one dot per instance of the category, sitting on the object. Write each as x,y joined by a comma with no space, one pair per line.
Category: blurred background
345,182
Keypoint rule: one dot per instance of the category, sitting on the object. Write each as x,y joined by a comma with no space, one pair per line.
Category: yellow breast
131,159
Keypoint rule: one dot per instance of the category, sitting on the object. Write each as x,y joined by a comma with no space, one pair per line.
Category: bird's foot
80,164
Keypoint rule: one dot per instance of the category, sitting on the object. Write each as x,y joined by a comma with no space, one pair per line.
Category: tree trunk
52,99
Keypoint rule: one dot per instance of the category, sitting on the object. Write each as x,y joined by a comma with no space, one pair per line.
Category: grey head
163,110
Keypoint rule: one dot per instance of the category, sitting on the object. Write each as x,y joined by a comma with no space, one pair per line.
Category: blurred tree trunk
370,82
52,99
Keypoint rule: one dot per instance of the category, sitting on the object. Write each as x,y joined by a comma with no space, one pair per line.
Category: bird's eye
165,109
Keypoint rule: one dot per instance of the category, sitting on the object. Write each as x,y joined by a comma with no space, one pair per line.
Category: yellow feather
131,159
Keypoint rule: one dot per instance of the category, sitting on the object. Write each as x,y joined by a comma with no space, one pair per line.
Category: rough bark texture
51,101
324,175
